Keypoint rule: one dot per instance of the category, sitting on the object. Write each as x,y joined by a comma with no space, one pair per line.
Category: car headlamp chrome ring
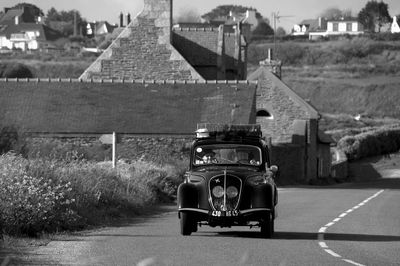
232,192
218,191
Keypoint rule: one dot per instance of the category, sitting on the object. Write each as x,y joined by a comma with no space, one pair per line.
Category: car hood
241,172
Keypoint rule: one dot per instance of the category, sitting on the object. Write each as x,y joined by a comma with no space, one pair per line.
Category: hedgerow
372,143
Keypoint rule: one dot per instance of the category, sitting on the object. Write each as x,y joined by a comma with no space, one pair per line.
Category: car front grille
225,192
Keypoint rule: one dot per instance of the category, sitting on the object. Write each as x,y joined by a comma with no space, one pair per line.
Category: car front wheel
188,225
267,226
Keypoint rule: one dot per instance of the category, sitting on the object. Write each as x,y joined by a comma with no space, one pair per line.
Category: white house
309,25
17,33
339,27
395,26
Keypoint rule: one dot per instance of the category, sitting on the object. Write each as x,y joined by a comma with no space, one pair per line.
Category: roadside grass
45,196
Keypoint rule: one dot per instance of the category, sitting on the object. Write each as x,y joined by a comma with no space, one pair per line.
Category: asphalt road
347,224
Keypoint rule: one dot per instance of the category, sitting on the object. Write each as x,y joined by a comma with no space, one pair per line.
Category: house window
349,27
264,114
335,27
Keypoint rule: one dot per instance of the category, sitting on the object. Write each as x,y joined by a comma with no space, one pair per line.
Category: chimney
128,19
275,66
121,20
16,20
161,11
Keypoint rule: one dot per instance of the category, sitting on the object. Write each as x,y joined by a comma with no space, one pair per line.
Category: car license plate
225,213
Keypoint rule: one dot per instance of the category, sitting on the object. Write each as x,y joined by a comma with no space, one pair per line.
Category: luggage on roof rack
206,130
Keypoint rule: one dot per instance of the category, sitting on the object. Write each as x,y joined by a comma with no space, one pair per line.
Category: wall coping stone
128,81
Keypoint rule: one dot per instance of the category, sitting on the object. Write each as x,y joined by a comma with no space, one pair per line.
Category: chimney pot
121,19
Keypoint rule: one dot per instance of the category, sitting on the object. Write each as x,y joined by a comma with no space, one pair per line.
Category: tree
334,13
224,10
64,21
280,31
31,11
374,14
262,29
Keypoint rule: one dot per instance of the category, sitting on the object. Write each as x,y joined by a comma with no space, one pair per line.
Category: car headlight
232,192
257,180
218,191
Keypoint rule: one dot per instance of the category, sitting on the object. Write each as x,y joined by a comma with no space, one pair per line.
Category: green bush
10,139
372,143
30,204
39,195
15,70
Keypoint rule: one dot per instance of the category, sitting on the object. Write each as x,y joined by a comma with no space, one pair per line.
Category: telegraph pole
276,17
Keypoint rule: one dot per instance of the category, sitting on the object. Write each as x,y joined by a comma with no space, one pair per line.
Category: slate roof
312,24
80,107
275,81
8,18
46,33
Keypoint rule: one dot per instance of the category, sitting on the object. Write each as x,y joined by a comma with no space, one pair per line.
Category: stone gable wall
143,50
284,110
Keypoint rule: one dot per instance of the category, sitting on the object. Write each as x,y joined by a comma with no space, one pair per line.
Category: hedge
366,144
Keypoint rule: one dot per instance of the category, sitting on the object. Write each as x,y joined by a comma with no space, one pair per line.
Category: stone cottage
156,82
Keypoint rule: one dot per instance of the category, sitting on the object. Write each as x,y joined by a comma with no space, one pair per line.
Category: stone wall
290,160
201,47
160,149
143,50
272,98
155,148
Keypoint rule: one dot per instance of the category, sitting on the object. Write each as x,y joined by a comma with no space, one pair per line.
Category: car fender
187,196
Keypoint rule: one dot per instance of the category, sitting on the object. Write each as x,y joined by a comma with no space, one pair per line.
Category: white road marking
147,262
323,245
323,229
352,262
332,253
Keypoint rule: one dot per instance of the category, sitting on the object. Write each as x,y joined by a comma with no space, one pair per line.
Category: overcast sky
295,11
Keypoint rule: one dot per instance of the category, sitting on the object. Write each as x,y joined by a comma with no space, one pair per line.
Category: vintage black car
230,181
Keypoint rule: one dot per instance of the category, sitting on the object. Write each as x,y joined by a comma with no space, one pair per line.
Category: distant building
247,20
395,26
316,28
309,25
99,28
19,31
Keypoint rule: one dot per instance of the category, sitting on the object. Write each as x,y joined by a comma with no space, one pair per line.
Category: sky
291,11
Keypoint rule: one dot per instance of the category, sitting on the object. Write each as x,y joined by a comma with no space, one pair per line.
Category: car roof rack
213,130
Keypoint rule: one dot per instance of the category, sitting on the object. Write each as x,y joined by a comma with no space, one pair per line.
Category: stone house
155,83
18,30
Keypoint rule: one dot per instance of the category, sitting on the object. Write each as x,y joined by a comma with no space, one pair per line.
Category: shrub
49,195
30,204
15,70
372,143
10,139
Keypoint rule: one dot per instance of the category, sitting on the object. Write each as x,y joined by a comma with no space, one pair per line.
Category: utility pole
75,24
276,17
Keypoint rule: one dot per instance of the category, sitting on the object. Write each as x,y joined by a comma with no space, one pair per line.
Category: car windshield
227,154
